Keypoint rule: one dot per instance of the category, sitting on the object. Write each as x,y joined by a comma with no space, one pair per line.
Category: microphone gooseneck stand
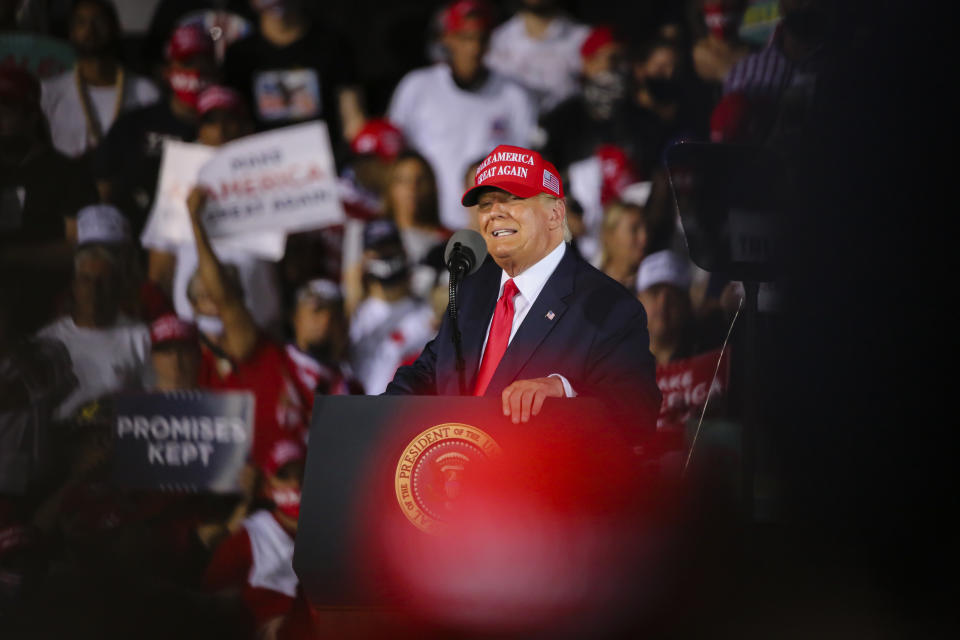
457,273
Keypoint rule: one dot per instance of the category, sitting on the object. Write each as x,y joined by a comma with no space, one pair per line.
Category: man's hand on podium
524,398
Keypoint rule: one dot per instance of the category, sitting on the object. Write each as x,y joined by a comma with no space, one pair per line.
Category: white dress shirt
529,284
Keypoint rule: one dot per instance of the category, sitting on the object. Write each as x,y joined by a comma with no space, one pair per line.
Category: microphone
465,252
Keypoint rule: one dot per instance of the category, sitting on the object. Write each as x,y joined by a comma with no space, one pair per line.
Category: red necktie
499,337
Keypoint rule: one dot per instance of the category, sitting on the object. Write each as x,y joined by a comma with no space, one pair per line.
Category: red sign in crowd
686,385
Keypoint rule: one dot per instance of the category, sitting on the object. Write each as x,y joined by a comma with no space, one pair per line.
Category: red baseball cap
516,170
380,137
284,451
466,14
220,97
189,40
598,37
171,328
19,85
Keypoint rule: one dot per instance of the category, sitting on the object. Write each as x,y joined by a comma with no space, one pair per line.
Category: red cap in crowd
284,451
220,97
516,170
18,86
189,40
380,137
170,328
467,14
617,172
598,37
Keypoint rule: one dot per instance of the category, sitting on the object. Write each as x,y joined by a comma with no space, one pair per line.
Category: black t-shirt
129,157
37,195
295,83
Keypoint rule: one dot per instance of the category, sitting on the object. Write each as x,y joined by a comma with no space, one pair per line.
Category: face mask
602,91
187,84
210,325
287,501
663,90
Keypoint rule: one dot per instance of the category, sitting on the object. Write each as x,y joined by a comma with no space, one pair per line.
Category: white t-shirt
61,105
258,277
104,360
548,67
452,127
383,335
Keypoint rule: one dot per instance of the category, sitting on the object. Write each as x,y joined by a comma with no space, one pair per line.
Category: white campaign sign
280,180
169,223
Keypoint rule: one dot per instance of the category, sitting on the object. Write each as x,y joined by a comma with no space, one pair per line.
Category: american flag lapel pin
551,315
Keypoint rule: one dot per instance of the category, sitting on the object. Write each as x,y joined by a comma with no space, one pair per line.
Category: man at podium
537,321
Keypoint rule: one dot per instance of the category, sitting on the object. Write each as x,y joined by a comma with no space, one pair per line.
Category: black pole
751,396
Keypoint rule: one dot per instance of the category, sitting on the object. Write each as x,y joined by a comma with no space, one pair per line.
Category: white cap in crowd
637,193
664,267
320,290
102,224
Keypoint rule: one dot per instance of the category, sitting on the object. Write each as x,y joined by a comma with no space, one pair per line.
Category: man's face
519,231
90,29
220,127
95,290
466,48
667,308
176,365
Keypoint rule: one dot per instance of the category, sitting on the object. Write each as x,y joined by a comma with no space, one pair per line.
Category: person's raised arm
240,332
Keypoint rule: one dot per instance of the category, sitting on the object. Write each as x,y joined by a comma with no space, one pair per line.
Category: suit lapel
539,321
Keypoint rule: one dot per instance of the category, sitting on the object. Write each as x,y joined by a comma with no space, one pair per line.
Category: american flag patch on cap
550,182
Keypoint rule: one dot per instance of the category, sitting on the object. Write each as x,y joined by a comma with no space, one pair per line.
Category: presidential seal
432,468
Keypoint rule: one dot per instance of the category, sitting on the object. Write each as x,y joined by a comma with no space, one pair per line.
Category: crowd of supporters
89,307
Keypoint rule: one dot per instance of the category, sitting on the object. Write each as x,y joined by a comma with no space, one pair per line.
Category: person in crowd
35,376
779,81
715,53
599,114
410,201
320,342
539,47
456,111
222,117
127,162
669,102
389,326
236,354
624,237
38,224
105,225
291,68
537,321
663,286
174,354
256,562
82,104
108,350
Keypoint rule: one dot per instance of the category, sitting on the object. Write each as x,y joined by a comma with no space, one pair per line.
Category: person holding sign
537,320
663,284
235,353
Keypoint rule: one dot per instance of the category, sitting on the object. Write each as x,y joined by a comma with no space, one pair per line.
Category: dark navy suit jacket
584,325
